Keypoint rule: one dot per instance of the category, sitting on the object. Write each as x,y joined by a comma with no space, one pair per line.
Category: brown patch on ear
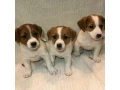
41,32
73,33
49,33
17,36
103,20
82,23
38,28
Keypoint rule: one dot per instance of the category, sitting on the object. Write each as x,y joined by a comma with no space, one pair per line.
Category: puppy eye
91,27
65,37
101,26
24,36
35,33
54,37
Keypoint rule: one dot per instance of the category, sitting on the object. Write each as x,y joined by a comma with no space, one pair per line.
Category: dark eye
65,37
91,27
35,33
54,37
101,26
24,36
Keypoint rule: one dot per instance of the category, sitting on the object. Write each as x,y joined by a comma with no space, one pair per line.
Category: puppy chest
34,56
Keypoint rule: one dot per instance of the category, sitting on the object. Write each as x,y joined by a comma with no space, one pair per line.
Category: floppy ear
73,33
103,20
49,33
41,32
17,36
82,23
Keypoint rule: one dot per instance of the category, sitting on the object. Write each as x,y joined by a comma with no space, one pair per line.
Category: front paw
27,74
52,70
97,59
68,72
76,54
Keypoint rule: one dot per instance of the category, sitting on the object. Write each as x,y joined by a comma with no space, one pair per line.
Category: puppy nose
98,35
59,45
33,44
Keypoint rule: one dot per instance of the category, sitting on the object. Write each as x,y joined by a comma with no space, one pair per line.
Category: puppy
91,36
33,48
61,45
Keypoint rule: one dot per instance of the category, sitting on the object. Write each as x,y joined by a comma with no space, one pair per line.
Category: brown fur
87,22
67,34
22,33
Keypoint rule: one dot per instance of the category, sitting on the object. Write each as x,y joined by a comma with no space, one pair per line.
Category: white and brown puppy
61,45
91,36
33,48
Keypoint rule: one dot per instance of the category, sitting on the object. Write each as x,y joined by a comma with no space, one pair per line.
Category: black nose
98,35
33,44
59,45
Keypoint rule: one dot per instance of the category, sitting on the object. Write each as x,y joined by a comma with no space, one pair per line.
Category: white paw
52,70
27,74
97,59
76,54
68,72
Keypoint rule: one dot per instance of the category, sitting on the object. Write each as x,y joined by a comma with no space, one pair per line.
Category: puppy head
94,25
61,36
29,35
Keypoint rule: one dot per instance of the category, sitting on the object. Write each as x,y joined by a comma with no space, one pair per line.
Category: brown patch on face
86,23
101,22
68,34
53,34
22,33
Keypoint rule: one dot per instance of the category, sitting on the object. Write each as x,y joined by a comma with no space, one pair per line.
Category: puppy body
88,36
66,45
33,48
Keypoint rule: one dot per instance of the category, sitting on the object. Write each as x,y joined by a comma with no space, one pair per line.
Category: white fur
96,30
87,40
29,55
59,30
66,54
32,39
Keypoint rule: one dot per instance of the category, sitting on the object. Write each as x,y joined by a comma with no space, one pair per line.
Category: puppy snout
98,35
33,44
59,45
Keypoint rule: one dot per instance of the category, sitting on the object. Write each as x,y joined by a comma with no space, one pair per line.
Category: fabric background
87,75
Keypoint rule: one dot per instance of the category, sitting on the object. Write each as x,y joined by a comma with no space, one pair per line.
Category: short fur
91,36
33,48
64,36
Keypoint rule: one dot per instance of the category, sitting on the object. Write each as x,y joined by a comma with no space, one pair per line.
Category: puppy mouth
60,49
34,48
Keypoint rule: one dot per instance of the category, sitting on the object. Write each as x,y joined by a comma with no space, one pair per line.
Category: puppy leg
96,54
76,50
28,70
52,57
68,61
50,67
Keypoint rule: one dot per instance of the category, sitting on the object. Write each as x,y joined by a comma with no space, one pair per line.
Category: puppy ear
82,23
17,36
73,33
41,32
103,20
49,33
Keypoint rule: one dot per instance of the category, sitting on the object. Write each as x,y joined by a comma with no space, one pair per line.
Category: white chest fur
86,41
33,55
63,54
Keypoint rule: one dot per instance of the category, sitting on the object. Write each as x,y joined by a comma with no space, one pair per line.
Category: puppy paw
91,57
68,72
97,59
52,70
27,74
76,54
